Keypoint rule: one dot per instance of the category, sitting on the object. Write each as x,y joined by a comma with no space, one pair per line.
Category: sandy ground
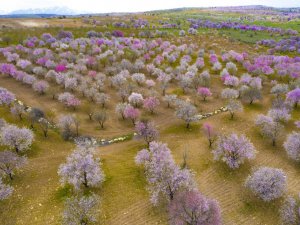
31,23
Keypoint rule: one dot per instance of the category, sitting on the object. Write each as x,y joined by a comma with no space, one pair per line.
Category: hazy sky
136,5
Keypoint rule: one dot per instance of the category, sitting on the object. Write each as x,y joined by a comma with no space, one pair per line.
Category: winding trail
103,142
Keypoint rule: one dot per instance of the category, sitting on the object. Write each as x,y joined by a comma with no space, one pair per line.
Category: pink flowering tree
170,100
163,176
292,146
234,106
139,78
294,97
29,79
136,99
164,80
102,99
120,109
6,97
60,68
131,113
150,83
231,81
229,93
267,183
10,163
151,103
19,139
147,131
269,128
231,67
289,211
40,86
7,69
279,114
69,100
186,112
192,207
23,64
234,150
70,83
213,58
210,133
81,209
185,83
81,169
204,92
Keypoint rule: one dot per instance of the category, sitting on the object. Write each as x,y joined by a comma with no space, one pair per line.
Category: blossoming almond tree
204,92
81,210
234,150
164,177
292,146
186,112
267,183
10,163
147,130
191,207
19,139
82,169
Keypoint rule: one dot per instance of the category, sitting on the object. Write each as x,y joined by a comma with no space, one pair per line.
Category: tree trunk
85,182
45,133
232,114
210,142
274,142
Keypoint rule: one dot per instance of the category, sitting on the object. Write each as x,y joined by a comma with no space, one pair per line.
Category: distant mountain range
43,11
52,10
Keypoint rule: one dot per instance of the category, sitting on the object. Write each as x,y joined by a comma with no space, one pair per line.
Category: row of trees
16,141
81,171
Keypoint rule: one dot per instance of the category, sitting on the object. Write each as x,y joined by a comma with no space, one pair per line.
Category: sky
101,6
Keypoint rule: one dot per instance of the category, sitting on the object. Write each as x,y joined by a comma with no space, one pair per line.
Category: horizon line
142,11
